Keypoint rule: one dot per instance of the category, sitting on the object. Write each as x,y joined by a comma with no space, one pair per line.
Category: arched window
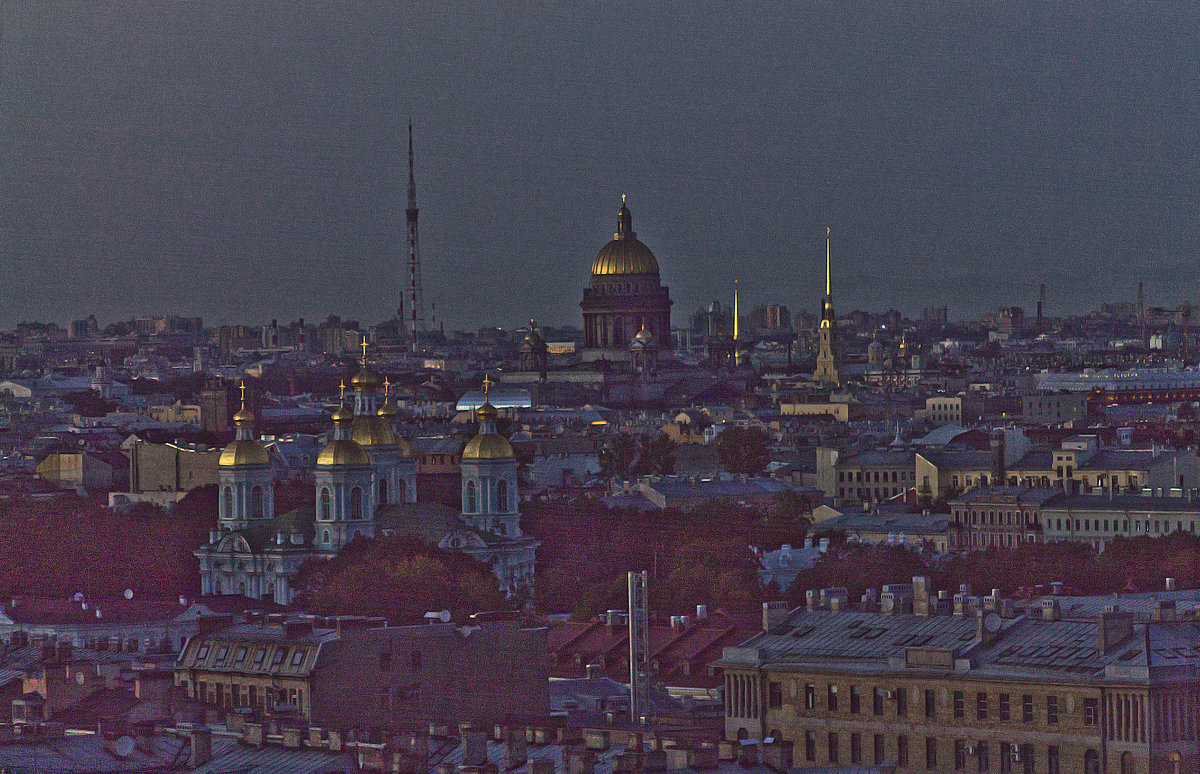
256,502
470,497
356,508
1127,764
383,491
1176,762
228,503
326,505
502,496
325,536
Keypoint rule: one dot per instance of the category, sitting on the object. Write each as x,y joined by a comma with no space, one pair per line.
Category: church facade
365,484
624,297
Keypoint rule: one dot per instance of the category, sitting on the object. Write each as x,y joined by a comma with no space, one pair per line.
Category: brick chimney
774,615
1114,627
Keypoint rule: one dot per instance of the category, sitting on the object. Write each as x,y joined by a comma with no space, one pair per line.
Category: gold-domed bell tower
489,476
371,429
827,342
345,486
643,353
245,476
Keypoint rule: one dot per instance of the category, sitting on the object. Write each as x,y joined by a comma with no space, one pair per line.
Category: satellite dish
78,596
991,623
444,616
123,747
128,594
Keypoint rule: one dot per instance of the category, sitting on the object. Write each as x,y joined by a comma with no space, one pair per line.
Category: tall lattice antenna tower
639,644
415,310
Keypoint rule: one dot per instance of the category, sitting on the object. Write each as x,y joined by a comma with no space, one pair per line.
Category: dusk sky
245,160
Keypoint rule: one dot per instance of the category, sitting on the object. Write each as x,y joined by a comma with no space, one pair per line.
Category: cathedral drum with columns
625,296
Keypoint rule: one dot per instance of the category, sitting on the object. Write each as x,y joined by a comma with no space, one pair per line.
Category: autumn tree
744,449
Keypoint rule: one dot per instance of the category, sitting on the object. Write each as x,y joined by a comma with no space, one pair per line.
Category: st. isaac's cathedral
366,484
625,297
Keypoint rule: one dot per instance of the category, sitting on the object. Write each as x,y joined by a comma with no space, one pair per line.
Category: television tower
414,257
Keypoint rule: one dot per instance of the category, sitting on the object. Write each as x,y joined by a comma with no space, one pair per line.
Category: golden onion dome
342,415
488,446
243,452
387,412
343,453
243,417
372,431
487,412
365,380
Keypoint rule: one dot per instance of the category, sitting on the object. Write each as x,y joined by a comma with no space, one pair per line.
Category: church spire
828,274
736,328
624,222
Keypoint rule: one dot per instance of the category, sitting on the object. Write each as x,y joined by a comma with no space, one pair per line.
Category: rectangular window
982,752
833,748
1027,708
1027,761
981,706
960,703
901,702
902,751
202,652
774,695
855,699
297,656
1051,709
1052,760
1091,712
810,745
931,753
810,696
877,701
960,754
1005,757
1005,710
259,654
222,653
856,748
879,752
930,705
279,655
240,656
831,698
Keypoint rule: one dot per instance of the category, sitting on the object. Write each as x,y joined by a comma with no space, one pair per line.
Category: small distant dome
387,412
488,446
342,415
372,431
365,380
643,340
343,453
487,412
243,417
243,453
875,346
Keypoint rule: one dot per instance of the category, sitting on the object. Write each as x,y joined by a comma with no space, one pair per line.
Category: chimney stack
774,615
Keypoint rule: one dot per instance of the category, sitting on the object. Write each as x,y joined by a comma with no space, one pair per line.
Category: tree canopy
744,449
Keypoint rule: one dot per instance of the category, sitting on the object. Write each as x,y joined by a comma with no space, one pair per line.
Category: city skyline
232,160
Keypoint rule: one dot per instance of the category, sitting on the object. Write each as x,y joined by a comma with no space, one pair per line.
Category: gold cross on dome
486,384
242,389
364,349
342,389
387,387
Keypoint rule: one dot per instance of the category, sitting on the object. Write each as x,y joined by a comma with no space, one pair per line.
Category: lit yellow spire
735,311
364,349
828,281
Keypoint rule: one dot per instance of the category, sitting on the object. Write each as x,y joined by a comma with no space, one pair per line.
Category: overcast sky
245,160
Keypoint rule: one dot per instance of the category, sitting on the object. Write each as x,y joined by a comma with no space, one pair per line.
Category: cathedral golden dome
488,446
341,453
625,254
243,452
365,380
372,431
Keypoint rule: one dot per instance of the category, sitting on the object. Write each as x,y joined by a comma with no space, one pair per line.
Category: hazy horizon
245,161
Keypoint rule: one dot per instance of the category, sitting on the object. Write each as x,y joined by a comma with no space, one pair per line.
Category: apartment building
940,683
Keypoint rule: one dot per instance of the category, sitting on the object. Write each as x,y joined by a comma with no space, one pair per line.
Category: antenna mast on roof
415,311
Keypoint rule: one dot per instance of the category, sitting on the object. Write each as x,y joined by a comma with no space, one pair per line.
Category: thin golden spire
828,279
735,311
242,389
364,349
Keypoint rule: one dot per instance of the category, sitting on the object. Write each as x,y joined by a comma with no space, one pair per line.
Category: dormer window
297,657
203,652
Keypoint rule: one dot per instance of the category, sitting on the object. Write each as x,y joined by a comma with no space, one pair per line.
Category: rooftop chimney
774,614
1114,627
